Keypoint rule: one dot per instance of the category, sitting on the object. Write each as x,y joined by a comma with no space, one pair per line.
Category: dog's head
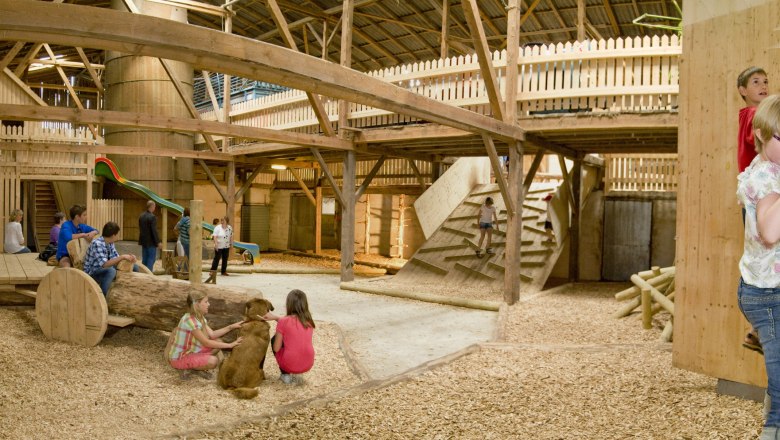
257,307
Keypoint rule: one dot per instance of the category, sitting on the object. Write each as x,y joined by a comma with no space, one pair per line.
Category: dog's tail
245,393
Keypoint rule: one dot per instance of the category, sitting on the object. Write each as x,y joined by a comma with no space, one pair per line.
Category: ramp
449,257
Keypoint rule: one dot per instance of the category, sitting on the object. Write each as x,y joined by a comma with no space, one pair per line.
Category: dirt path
388,335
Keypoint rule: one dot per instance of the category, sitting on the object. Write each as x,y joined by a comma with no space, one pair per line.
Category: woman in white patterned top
758,191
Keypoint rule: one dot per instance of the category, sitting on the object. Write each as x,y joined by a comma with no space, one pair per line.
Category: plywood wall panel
721,39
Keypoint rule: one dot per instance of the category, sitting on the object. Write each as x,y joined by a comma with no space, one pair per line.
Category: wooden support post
417,174
324,167
574,229
367,229
511,208
369,177
348,218
647,315
529,178
303,186
471,11
445,29
226,79
196,240
164,229
348,177
580,20
230,209
90,178
318,217
514,225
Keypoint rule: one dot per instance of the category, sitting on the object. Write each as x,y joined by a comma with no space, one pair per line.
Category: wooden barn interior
362,128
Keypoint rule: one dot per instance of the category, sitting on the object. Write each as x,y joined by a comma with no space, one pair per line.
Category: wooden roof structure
387,34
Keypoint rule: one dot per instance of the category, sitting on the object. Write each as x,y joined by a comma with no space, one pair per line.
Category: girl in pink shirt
292,344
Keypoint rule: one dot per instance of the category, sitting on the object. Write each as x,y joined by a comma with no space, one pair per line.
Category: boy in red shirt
752,84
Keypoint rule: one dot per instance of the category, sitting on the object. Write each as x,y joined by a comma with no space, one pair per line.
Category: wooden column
231,200
574,230
196,241
226,79
445,28
580,20
514,223
348,178
90,178
164,230
318,216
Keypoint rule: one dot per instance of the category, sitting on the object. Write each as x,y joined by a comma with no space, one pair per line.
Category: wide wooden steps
449,255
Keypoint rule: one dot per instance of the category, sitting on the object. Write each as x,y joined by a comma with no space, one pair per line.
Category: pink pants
193,360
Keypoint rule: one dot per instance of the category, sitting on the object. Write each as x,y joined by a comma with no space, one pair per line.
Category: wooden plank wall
107,210
721,39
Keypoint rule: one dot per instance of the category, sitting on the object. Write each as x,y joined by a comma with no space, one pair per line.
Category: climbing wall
449,255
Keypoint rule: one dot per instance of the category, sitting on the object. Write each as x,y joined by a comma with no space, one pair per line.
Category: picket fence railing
623,75
641,172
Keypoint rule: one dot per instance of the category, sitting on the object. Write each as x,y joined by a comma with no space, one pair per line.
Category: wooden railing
635,75
641,172
46,132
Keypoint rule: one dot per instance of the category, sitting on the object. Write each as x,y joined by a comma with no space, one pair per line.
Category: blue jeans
186,246
148,255
761,307
105,276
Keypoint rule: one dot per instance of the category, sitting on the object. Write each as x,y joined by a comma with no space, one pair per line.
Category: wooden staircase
45,203
448,256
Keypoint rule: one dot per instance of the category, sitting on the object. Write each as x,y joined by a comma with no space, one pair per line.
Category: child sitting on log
292,344
193,345
102,258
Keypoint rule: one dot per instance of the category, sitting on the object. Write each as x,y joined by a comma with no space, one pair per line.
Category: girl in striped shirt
194,346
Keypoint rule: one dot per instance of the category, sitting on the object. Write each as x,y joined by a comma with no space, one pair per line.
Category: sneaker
224,274
479,253
286,378
184,375
489,251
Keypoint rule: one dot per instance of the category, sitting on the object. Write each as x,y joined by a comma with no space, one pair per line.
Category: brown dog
242,371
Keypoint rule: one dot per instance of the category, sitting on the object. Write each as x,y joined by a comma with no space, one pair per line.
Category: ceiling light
278,167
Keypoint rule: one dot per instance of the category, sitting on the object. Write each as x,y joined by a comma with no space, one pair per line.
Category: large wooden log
159,303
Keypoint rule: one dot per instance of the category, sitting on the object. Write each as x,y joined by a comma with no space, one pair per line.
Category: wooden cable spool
70,307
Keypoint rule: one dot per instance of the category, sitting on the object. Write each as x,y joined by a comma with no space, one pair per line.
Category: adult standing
183,228
148,237
14,239
223,241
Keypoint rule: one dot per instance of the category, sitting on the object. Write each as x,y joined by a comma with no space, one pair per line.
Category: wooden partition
107,210
721,39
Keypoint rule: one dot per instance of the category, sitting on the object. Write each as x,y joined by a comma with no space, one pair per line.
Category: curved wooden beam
81,26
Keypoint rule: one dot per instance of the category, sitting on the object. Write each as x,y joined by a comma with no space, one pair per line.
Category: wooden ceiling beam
296,24
131,119
612,19
114,149
77,25
471,9
315,101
